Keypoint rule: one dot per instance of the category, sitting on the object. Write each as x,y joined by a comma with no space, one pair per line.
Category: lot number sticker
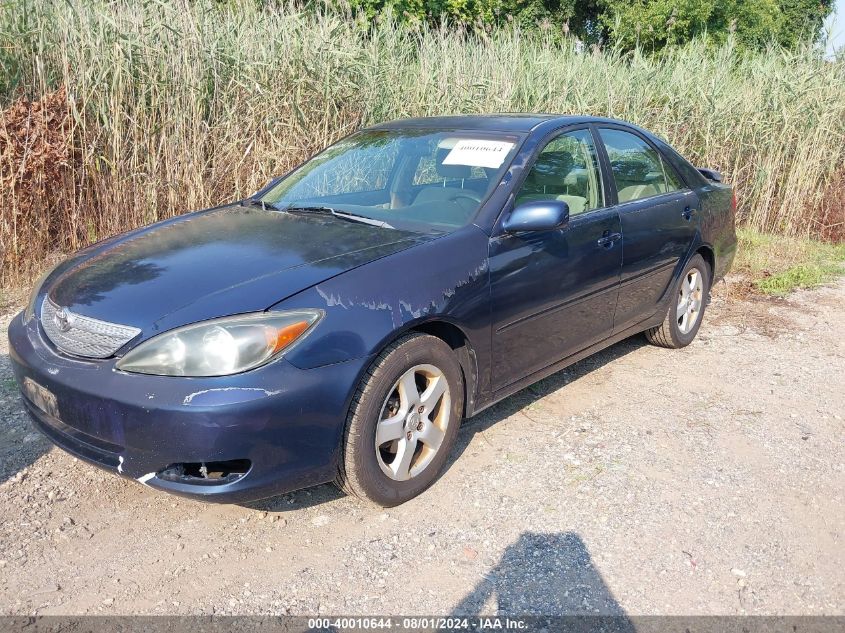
478,153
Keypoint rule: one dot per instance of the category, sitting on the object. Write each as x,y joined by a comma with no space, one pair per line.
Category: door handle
608,239
687,213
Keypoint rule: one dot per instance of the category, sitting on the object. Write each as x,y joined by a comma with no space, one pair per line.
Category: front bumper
288,422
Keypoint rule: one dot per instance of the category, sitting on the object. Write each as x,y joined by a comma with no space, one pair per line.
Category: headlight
29,312
220,347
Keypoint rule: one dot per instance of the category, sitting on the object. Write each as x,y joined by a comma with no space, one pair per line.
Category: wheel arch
709,257
455,337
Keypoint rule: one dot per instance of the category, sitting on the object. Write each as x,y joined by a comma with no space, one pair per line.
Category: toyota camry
339,324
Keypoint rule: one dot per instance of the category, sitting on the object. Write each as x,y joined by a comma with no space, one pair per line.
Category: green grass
801,276
777,265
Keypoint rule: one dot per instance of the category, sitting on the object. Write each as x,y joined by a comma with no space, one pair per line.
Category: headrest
450,171
551,168
630,170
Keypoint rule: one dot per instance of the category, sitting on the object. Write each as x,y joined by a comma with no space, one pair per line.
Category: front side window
567,170
409,179
638,170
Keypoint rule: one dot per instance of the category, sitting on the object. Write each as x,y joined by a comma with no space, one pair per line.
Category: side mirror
539,215
711,174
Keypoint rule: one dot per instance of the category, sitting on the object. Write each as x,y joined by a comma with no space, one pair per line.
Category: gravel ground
639,481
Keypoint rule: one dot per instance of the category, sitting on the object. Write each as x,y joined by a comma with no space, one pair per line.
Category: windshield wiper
343,215
258,202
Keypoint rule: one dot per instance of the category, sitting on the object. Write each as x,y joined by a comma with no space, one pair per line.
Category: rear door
659,217
554,292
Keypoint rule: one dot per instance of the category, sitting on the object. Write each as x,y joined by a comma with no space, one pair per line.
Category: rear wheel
403,421
686,309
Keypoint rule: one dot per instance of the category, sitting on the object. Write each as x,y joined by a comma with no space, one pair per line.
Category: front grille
81,335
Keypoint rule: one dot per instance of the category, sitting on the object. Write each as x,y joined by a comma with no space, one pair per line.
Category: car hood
214,263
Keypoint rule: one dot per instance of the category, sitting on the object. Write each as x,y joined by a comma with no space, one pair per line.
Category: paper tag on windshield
476,153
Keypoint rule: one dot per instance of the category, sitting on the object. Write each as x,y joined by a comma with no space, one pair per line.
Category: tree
652,24
802,19
655,24
479,12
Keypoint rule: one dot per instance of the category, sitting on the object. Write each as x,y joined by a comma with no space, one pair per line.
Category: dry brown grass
829,220
174,106
39,169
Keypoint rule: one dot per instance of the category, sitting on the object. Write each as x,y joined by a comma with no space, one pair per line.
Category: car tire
397,405
690,295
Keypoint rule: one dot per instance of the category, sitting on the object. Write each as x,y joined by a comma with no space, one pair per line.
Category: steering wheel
470,195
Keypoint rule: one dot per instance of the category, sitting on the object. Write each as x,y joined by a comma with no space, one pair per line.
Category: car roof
505,122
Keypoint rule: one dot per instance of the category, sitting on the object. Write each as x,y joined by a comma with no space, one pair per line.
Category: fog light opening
206,473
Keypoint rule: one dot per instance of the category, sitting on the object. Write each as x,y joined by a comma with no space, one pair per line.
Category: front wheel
403,421
686,309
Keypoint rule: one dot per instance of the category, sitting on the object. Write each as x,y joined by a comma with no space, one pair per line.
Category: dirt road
640,481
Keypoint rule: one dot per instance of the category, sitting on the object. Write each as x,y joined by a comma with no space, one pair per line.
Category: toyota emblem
62,319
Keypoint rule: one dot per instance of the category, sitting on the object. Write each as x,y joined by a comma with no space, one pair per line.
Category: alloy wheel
413,422
690,298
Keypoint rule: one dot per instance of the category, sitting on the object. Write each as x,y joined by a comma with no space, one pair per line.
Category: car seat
547,181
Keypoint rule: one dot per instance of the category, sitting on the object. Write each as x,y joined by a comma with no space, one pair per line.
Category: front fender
446,279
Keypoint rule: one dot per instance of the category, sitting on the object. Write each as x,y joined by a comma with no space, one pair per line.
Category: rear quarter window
692,177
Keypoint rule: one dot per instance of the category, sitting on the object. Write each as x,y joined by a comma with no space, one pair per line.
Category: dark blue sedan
339,325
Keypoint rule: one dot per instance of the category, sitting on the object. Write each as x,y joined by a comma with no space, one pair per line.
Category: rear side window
638,169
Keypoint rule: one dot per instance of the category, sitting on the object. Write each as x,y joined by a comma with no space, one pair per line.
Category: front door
554,292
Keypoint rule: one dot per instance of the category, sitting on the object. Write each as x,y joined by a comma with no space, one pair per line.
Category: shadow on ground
526,397
20,444
477,424
549,575
297,500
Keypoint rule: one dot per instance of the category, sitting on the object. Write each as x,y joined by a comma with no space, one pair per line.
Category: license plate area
43,399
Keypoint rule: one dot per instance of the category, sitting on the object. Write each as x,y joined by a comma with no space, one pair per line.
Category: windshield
411,179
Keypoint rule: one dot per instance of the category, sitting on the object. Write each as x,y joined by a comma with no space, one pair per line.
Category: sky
836,28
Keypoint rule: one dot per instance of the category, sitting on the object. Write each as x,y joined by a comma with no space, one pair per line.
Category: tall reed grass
178,105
